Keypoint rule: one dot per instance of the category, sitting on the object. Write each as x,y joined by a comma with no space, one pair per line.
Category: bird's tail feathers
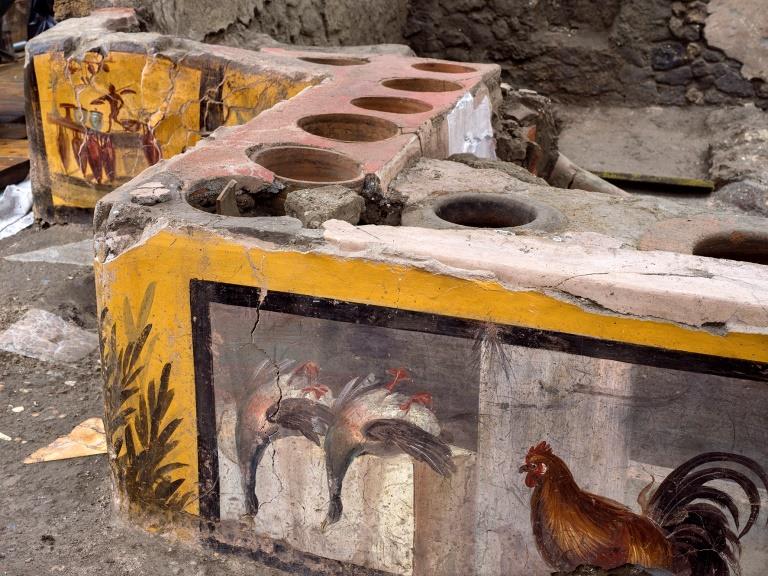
355,388
697,517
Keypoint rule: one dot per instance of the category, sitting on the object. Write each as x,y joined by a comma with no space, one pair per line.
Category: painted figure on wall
368,417
107,115
349,434
683,526
296,405
82,138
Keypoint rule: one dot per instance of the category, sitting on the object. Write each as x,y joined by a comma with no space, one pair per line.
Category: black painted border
203,293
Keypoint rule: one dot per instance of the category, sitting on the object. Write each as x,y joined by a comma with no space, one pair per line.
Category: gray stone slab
740,29
661,142
45,336
76,253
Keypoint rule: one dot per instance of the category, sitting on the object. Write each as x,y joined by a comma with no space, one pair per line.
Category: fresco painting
332,421
140,418
244,96
107,117
397,446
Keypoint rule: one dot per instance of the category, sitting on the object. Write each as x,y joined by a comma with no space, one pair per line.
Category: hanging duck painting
328,432
357,439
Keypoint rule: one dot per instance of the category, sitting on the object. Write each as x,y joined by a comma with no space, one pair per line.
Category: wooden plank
12,170
13,131
14,148
14,161
12,92
671,181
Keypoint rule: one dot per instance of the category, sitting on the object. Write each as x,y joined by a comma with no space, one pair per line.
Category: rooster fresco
277,406
683,527
371,418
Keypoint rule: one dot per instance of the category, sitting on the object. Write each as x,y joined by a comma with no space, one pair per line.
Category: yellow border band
212,258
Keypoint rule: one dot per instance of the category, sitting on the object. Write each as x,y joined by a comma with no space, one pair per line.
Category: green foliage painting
140,437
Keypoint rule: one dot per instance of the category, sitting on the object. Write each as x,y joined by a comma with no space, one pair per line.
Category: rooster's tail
695,516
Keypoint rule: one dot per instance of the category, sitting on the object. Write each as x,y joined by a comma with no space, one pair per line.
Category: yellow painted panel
208,257
245,96
105,119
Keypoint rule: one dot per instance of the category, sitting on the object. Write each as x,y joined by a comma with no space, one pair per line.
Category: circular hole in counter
392,104
335,61
349,127
306,165
443,67
743,246
422,85
243,196
485,211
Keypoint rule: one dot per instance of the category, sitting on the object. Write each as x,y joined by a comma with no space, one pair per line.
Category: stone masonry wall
636,52
631,51
304,22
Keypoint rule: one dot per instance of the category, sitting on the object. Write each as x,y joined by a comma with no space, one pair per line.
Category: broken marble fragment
77,253
45,336
86,439
150,193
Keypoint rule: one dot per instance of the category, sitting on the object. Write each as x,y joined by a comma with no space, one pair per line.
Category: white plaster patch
76,253
45,336
469,128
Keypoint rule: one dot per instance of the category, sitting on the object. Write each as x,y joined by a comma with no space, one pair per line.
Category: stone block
739,28
700,68
713,55
680,28
667,56
747,195
675,77
694,95
313,206
731,82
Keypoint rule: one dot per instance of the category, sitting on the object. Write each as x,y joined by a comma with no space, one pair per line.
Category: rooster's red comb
541,449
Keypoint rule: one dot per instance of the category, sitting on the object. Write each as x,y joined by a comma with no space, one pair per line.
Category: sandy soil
57,517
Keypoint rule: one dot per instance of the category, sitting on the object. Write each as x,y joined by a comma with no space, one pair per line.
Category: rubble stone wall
621,51
632,51
303,22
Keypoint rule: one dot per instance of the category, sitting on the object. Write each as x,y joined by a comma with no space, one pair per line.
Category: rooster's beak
524,468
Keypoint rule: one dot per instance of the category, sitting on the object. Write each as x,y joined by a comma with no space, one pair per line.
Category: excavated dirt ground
57,517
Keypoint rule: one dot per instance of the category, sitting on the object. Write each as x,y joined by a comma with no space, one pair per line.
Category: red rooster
683,526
